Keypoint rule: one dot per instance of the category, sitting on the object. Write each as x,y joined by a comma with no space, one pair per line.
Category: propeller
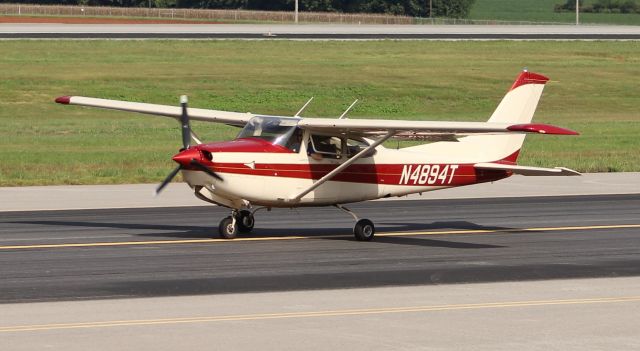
184,121
187,156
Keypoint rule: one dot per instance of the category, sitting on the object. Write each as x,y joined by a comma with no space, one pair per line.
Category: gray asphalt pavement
117,253
321,31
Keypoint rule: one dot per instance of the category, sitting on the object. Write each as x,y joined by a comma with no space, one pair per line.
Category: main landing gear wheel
227,228
245,221
364,230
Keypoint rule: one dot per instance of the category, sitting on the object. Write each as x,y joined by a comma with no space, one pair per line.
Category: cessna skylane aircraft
278,161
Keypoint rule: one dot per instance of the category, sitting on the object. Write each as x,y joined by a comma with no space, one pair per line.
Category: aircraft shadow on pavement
335,233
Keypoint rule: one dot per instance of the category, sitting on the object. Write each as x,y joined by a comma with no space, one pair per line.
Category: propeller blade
184,121
168,179
206,169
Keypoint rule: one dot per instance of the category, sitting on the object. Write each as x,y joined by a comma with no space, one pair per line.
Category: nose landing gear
239,221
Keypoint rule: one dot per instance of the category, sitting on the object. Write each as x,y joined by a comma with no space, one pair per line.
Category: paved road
275,31
94,254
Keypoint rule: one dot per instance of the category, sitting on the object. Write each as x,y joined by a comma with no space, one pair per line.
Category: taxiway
122,253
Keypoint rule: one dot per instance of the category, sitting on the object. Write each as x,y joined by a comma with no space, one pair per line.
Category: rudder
516,107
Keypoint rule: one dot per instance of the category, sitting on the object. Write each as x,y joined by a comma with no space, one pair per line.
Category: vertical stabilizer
520,102
517,107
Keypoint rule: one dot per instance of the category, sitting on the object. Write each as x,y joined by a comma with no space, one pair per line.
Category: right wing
232,118
424,130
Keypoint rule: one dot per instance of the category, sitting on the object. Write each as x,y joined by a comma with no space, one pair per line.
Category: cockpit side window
276,130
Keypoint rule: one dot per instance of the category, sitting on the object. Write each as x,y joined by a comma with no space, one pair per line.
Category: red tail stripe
526,77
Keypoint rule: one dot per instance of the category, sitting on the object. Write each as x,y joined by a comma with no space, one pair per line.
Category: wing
412,130
232,118
424,130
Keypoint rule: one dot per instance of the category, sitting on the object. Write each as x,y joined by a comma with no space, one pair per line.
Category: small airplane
282,161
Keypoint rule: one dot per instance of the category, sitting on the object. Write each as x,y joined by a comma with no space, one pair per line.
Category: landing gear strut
364,230
239,221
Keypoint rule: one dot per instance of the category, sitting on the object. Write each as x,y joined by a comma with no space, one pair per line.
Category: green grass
542,11
594,90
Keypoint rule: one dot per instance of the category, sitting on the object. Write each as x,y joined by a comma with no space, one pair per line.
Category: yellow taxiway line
275,238
315,314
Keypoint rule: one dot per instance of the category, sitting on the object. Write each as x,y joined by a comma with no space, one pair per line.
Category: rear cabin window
336,147
327,146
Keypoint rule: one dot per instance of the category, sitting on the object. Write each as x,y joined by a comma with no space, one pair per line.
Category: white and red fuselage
265,174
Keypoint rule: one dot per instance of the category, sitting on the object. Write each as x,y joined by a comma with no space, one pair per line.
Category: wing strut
340,168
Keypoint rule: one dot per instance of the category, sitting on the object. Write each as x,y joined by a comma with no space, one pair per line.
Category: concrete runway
123,253
583,314
315,31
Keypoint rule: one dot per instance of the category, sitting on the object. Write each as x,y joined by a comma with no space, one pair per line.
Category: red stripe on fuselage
391,174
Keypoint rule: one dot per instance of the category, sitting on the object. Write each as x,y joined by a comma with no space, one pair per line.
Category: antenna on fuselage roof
347,110
303,107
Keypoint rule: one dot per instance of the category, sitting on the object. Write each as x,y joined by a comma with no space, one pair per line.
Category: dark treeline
441,8
601,6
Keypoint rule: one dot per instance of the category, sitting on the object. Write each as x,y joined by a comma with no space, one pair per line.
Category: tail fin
517,106
522,99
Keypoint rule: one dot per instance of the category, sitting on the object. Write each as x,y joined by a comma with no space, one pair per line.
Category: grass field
594,90
542,11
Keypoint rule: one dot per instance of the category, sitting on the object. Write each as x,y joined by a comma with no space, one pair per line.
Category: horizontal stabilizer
527,171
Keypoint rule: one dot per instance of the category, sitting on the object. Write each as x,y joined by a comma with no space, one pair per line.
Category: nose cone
184,157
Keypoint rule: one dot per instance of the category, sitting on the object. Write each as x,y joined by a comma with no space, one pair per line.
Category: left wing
401,129
232,118
424,130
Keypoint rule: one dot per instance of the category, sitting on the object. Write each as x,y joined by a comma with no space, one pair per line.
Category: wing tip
65,100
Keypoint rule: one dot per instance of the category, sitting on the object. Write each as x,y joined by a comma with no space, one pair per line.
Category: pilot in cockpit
295,141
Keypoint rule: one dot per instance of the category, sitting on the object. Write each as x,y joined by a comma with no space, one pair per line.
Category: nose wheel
228,228
238,222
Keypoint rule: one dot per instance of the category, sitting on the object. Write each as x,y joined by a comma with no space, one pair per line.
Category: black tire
226,228
364,230
245,221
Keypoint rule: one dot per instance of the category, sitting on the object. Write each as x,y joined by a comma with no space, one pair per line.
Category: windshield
276,130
